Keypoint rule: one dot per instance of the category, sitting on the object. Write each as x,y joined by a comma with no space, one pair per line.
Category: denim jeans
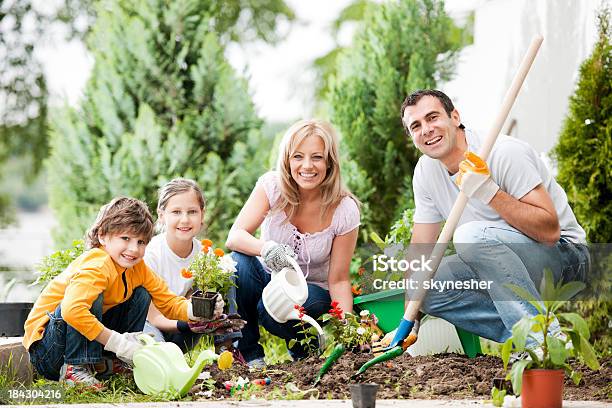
61,343
499,253
251,280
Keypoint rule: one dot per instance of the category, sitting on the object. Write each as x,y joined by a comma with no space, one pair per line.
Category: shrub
402,46
583,158
162,102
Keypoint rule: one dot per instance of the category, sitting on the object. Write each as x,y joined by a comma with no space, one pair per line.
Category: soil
442,376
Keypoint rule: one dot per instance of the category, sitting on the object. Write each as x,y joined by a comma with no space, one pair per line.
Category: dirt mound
443,376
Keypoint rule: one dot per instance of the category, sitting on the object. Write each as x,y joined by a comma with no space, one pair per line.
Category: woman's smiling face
308,163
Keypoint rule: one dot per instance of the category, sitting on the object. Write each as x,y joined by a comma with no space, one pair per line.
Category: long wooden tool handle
413,305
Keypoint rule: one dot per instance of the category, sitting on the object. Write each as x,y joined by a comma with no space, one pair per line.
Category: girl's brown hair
121,215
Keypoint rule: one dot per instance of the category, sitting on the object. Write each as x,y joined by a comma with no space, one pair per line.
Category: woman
304,211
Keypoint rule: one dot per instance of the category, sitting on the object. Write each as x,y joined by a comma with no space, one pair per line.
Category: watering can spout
205,357
321,335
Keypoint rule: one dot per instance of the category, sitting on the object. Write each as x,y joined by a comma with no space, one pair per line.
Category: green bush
583,157
402,46
162,102
585,143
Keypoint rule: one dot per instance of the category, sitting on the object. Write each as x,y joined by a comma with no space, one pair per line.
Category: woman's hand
275,256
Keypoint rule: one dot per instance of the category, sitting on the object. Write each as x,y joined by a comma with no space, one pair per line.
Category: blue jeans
499,253
61,343
251,279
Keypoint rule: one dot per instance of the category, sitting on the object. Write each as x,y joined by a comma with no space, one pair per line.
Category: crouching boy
101,300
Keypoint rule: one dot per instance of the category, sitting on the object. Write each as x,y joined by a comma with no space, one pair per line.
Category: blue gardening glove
402,331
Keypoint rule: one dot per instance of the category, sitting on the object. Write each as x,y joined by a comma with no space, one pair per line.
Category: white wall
502,32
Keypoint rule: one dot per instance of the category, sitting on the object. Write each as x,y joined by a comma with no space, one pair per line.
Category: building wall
503,30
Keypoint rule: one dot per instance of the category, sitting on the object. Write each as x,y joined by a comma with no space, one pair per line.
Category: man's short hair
416,96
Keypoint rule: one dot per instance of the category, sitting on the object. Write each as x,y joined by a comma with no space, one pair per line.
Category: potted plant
212,273
538,378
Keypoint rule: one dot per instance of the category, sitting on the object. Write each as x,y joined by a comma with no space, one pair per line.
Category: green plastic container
388,306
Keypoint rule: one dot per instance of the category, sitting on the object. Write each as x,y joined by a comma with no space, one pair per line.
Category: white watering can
286,289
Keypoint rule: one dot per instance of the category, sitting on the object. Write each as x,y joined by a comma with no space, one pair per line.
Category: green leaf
569,290
575,376
578,323
523,294
520,330
547,285
588,354
516,375
497,397
556,350
292,343
505,352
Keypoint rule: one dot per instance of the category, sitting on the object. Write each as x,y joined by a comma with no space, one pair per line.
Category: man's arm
534,214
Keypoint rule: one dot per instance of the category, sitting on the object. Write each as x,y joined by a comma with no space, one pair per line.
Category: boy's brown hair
121,215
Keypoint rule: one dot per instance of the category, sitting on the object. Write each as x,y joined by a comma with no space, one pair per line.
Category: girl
101,299
304,211
180,211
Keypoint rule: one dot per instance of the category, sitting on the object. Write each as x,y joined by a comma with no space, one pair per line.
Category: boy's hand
124,345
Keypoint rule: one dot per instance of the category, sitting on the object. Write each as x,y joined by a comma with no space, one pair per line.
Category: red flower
336,311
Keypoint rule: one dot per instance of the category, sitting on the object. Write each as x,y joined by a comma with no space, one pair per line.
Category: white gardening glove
219,305
124,345
275,255
475,178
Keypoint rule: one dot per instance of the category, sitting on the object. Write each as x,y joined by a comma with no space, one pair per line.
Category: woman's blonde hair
174,187
122,215
332,188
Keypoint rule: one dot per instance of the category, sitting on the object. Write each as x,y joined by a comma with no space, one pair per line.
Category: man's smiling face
433,131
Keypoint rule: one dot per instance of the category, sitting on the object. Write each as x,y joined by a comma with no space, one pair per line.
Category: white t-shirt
516,168
168,265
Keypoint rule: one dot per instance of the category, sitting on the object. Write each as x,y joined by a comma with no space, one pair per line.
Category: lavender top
313,249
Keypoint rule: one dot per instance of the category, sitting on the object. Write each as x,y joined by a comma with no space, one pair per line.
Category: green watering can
160,368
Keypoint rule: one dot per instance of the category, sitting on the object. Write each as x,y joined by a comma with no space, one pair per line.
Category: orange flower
185,273
206,243
356,290
219,252
361,271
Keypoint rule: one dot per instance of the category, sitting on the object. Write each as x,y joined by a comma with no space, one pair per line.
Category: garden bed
443,376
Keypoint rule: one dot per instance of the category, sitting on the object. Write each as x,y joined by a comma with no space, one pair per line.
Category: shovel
414,305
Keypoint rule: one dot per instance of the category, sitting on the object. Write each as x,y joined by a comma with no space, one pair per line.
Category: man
516,223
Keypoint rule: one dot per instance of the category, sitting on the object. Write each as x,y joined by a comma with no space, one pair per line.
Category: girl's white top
168,265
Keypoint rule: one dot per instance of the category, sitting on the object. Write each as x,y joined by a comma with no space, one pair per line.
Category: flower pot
364,395
204,303
542,389
14,316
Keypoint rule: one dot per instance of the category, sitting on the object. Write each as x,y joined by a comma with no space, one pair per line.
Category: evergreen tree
583,156
585,144
403,45
162,102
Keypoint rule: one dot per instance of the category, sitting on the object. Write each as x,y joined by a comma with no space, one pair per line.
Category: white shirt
515,167
159,257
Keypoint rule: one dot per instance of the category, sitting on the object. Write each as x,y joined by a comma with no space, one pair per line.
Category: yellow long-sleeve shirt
91,274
